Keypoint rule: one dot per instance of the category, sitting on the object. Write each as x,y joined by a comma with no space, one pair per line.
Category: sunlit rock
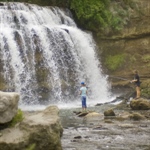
8,106
126,125
38,131
93,114
140,104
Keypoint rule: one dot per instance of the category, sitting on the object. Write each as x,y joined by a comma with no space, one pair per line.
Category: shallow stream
98,134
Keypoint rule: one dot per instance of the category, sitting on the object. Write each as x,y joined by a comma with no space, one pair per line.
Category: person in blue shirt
83,93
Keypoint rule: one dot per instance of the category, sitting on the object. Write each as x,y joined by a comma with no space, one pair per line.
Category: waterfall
45,56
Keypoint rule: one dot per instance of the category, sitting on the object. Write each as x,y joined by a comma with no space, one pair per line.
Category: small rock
100,128
108,121
126,125
82,114
93,114
109,112
98,104
136,116
73,140
143,125
77,112
78,137
110,117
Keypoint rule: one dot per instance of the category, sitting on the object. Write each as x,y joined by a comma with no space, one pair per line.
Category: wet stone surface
98,134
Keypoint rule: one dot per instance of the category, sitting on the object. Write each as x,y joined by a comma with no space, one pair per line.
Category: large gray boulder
38,131
8,106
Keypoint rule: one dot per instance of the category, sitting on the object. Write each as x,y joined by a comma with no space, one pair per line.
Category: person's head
82,84
135,72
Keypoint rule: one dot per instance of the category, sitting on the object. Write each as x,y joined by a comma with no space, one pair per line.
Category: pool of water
95,134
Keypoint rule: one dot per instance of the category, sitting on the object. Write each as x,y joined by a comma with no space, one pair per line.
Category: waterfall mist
45,56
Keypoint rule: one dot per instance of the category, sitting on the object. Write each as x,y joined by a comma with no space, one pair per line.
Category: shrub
94,14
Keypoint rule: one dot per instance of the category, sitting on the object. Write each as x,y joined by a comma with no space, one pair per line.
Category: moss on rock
18,118
109,112
115,61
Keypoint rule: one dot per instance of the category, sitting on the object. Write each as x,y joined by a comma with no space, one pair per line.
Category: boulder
38,131
140,104
93,114
137,116
8,106
109,112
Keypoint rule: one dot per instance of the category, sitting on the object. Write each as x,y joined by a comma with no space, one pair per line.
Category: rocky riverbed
97,133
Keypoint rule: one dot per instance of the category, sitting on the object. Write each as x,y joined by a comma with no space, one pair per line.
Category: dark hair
135,71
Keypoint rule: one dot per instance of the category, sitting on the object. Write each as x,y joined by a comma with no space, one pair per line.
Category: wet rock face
128,49
140,104
8,106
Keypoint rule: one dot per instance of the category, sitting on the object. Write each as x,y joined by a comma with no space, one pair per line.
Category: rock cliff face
129,48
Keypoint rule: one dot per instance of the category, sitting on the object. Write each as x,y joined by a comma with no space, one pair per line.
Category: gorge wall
129,48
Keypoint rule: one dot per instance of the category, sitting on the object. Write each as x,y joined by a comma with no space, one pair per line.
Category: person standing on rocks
83,93
137,82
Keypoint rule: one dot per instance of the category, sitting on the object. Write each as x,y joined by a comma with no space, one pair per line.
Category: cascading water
45,56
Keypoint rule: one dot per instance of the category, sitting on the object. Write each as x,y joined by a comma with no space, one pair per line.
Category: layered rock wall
129,48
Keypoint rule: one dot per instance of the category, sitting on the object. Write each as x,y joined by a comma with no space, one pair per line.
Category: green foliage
127,1
145,92
116,22
95,14
114,62
18,118
31,147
